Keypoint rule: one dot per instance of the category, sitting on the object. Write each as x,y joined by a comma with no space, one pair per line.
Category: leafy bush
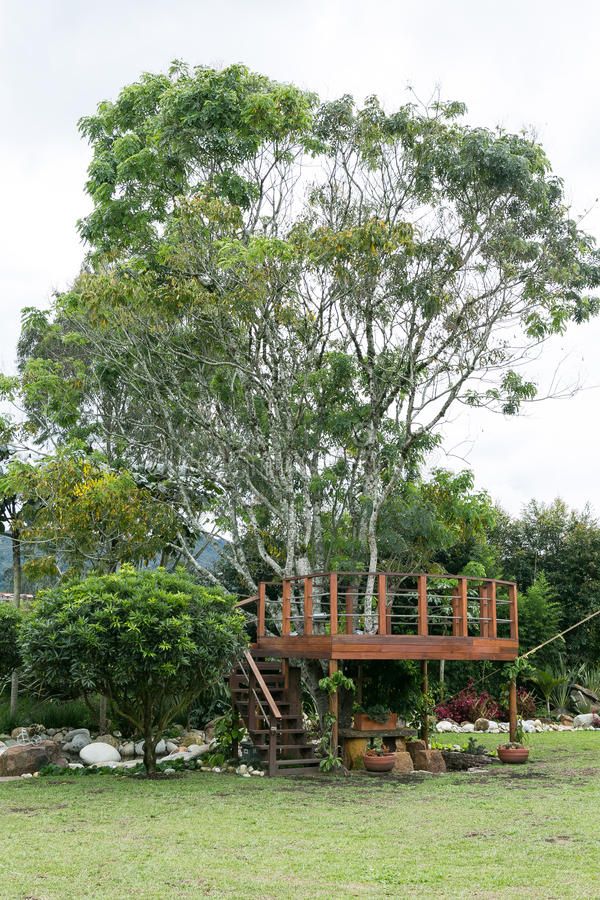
51,713
526,703
469,705
151,641
10,658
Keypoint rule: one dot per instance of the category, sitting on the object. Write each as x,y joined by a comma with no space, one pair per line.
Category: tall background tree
284,299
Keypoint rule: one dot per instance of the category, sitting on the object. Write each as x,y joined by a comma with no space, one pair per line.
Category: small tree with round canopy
151,641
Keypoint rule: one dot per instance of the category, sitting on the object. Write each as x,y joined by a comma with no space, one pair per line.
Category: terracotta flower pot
383,763
513,754
362,722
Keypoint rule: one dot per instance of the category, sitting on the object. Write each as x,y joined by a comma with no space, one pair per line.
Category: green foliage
86,514
50,713
539,620
331,683
378,712
229,731
151,641
548,682
164,127
10,657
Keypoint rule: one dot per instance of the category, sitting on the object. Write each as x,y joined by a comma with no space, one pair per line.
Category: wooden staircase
267,696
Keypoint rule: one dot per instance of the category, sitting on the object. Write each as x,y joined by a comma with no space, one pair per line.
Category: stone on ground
193,737
403,763
107,739
482,724
583,720
28,758
414,746
429,761
99,752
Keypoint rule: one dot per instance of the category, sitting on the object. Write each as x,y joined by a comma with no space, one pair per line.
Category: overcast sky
515,64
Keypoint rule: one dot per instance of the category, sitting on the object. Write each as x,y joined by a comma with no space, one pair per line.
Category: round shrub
151,641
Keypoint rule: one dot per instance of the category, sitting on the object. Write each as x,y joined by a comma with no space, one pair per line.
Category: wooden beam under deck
374,646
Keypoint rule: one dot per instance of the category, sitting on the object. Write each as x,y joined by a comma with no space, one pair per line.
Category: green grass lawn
523,831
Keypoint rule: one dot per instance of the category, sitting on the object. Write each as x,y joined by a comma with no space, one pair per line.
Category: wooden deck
386,615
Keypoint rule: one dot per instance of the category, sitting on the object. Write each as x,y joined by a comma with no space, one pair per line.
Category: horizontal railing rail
387,603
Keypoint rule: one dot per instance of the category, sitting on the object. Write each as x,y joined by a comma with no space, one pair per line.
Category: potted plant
379,759
375,718
514,752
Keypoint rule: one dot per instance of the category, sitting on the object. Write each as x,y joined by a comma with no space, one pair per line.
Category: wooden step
286,763
285,746
279,731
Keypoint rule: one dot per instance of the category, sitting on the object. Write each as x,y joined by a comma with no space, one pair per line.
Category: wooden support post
512,710
334,703
513,612
422,605
285,671
424,690
260,625
308,605
349,611
463,609
381,605
272,761
333,604
484,611
286,607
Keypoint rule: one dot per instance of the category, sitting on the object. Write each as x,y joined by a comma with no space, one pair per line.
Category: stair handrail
274,709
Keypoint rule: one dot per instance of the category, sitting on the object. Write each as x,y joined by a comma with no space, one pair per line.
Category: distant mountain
5,563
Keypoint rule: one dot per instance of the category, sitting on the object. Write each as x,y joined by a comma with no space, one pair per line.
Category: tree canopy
285,298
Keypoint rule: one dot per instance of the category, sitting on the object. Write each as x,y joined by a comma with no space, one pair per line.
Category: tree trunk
17,581
442,679
149,745
102,715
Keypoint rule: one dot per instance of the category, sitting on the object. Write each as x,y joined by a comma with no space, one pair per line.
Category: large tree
285,299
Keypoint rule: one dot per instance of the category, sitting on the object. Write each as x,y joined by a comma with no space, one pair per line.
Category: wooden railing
387,603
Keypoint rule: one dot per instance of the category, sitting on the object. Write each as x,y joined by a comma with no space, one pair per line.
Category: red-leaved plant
469,705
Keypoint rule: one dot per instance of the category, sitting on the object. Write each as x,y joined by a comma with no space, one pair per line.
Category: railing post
463,608
286,607
308,605
423,623
484,610
513,614
349,611
272,762
456,628
492,609
381,605
260,624
333,604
